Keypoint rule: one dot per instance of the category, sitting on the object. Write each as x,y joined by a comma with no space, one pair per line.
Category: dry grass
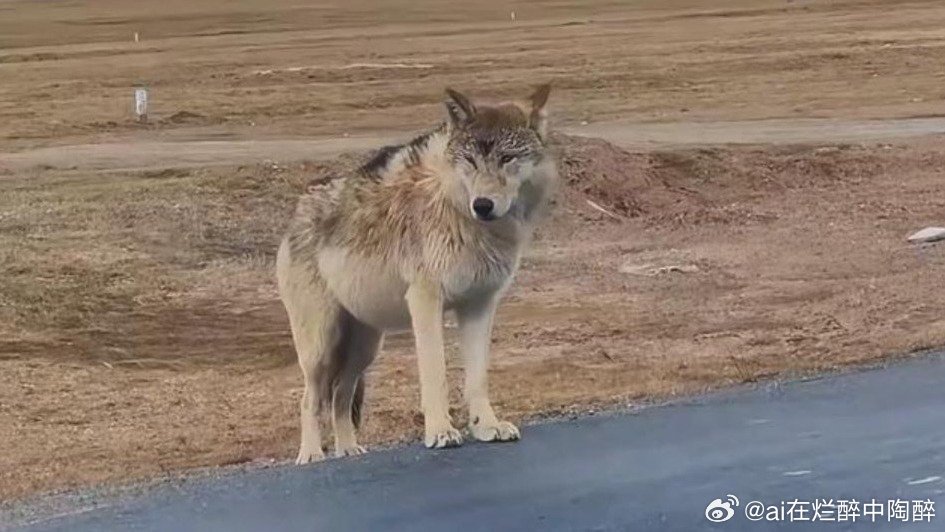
74,65
85,258
141,331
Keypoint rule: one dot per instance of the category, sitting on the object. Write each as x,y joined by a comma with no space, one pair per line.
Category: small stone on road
929,234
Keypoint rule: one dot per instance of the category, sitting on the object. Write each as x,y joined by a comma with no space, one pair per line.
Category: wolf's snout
483,208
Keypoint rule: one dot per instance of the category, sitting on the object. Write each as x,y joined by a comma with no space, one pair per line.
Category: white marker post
141,104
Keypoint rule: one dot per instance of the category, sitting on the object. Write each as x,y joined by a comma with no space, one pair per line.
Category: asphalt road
876,434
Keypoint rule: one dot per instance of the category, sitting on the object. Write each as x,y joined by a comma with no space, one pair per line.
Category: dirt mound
596,172
186,117
603,182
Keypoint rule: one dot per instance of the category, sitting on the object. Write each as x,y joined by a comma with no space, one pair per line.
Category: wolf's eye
471,160
507,158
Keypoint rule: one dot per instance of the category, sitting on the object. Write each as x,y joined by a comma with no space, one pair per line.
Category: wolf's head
497,152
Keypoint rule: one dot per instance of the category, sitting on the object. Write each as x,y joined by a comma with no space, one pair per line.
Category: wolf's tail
357,402
330,386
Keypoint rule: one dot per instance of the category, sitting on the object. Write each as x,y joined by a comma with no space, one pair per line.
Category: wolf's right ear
538,118
459,107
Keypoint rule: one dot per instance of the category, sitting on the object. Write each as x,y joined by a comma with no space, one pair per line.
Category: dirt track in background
139,329
188,152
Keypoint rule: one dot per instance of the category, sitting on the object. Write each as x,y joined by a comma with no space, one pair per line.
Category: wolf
433,225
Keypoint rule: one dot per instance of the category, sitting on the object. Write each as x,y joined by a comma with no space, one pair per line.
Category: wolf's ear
459,107
538,119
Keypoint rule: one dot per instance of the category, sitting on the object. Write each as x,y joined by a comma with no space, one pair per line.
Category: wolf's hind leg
316,335
314,315
475,328
359,345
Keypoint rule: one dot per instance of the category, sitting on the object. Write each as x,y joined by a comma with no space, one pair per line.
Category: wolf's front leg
425,301
475,324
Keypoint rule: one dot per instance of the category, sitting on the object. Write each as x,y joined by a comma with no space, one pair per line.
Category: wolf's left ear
538,119
459,107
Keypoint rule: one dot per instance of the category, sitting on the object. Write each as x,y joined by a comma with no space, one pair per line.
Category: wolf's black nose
483,207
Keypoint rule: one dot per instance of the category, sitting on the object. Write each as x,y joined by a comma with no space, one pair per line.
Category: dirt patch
141,331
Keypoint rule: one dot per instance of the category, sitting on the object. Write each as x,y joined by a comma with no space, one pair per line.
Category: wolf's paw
352,450
307,456
498,431
441,439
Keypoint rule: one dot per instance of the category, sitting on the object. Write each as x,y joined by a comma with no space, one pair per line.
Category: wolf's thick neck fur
426,154
407,208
